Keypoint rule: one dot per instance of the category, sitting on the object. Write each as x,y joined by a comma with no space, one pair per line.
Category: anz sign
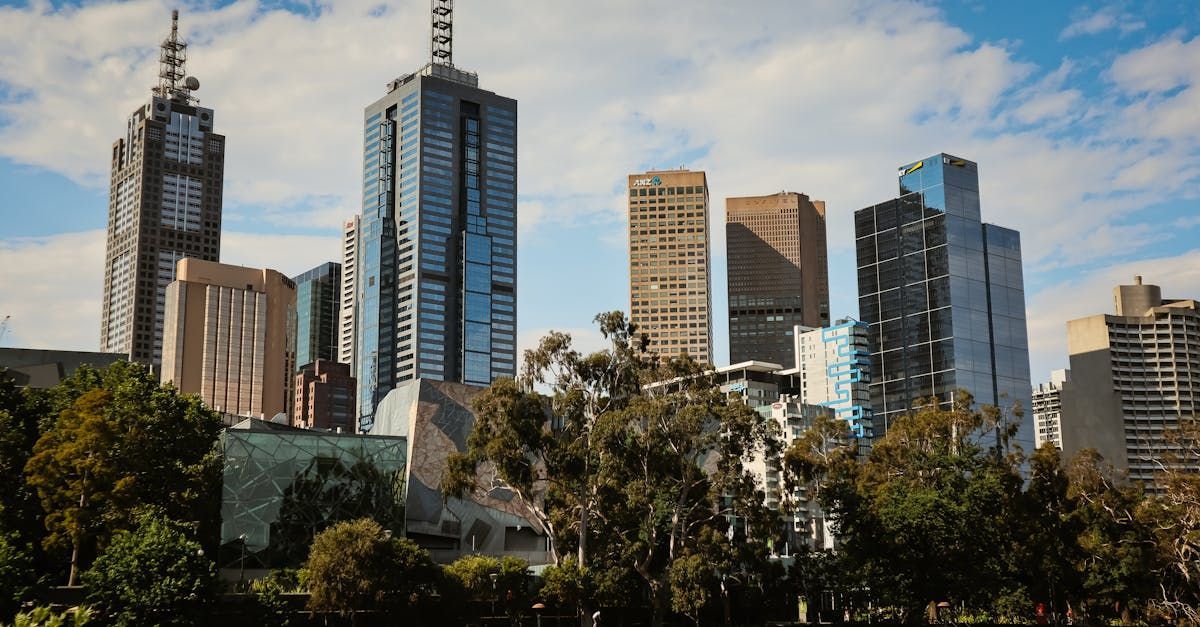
649,181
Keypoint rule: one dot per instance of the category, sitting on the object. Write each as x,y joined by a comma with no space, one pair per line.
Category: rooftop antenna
441,44
173,81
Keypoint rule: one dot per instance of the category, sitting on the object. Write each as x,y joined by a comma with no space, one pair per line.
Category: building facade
944,296
164,204
436,278
669,288
41,369
324,397
348,309
1047,409
229,337
1135,378
833,366
778,276
317,309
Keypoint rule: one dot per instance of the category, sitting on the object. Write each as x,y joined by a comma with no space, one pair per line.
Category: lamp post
493,577
242,561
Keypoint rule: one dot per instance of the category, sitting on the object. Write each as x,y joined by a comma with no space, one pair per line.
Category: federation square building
944,297
436,280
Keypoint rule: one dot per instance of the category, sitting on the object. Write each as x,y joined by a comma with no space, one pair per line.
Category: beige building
348,311
1135,377
778,273
229,338
669,287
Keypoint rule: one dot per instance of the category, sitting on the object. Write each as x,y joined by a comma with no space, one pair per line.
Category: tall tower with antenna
436,281
164,205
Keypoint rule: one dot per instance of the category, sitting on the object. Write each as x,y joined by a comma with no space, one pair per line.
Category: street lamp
493,577
242,561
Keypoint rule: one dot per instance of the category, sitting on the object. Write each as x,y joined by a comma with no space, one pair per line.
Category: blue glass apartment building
944,296
316,313
436,283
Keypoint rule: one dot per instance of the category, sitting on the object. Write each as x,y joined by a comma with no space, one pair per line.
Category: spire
173,81
441,45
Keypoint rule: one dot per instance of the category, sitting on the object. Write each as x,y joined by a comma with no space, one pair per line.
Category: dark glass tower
317,307
437,285
943,294
164,204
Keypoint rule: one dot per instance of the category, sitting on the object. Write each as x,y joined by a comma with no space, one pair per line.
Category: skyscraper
437,284
778,273
229,337
833,366
317,313
1135,378
1047,409
944,295
164,204
669,295
348,312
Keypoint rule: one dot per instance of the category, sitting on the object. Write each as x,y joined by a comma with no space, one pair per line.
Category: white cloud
1108,18
52,286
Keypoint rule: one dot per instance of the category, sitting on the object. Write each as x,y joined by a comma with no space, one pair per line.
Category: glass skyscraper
943,294
436,282
317,307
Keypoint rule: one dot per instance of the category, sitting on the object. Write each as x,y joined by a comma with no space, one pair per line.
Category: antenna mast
172,58
441,45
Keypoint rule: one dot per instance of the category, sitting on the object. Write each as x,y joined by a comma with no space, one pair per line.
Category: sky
1084,118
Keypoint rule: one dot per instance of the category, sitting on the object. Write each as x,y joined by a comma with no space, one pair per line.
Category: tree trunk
74,564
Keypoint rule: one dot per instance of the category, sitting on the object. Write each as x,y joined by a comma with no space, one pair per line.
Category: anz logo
647,182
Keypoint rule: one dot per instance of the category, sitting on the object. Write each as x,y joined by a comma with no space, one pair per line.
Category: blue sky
1083,117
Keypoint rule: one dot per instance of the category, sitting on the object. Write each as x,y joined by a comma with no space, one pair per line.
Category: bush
154,575
472,575
45,617
16,573
355,566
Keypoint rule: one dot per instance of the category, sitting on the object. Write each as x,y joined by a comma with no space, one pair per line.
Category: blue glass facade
944,295
438,281
849,371
316,313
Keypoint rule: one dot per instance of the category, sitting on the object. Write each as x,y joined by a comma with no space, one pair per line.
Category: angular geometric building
437,250
1135,378
164,205
778,273
944,296
670,296
317,308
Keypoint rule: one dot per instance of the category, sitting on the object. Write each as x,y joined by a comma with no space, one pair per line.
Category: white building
1047,409
348,311
833,369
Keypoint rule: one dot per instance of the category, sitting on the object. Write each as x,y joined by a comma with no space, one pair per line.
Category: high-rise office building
324,397
833,367
778,273
944,296
348,311
437,283
1047,409
317,307
1135,378
164,204
229,337
669,286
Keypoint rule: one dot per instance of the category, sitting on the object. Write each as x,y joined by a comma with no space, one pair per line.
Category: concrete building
37,368
778,275
317,306
164,204
669,288
944,296
348,293
324,393
229,337
1135,377
436,279
833,367
1047,409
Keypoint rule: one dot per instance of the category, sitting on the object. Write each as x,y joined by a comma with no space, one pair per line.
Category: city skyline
1087,208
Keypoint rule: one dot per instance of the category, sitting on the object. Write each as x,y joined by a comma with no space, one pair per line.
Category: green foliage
472,575
120,441
156,574
354,565
691,585
566,583
16,573
46,617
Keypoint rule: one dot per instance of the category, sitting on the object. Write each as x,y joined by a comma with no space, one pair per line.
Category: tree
1048,523
16,573
1173,515
473,574
355,566
121,440
692,581
566,584
156,574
